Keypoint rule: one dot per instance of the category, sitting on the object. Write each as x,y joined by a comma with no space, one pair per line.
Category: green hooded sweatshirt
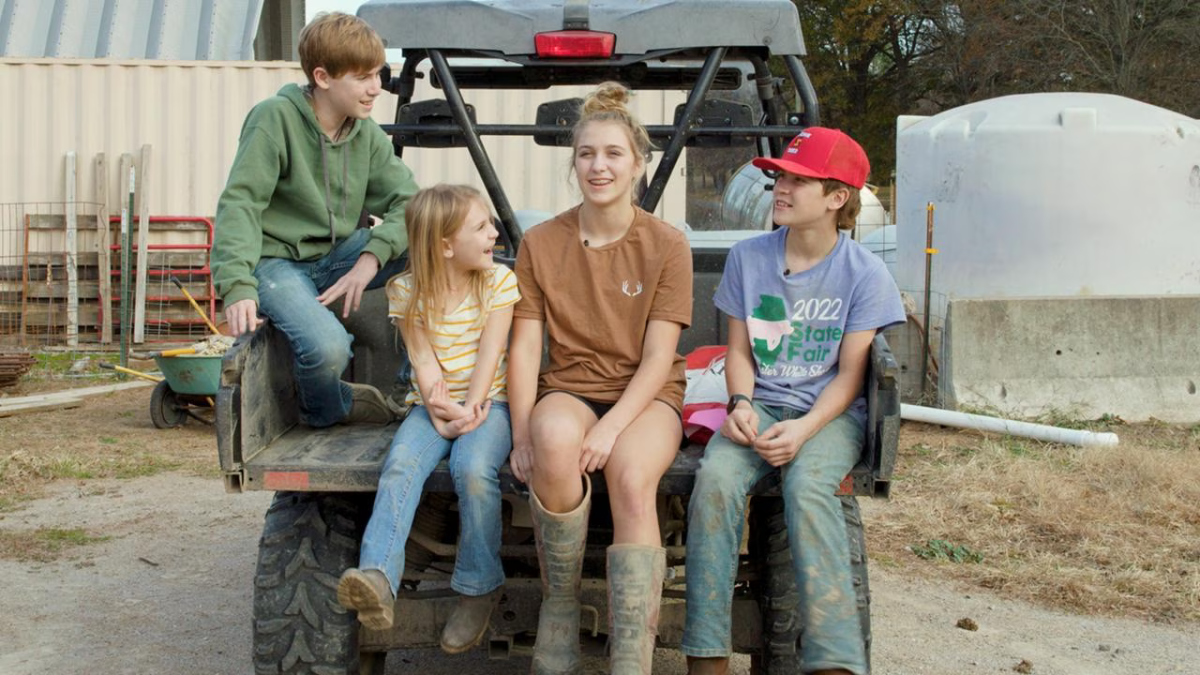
293,193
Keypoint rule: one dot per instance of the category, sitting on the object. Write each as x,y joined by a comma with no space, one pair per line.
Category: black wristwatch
734,400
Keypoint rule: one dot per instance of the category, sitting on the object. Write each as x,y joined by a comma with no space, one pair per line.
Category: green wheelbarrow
189,384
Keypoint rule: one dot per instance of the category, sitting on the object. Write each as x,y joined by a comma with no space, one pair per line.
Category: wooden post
127,178
139,315
103,250
72,258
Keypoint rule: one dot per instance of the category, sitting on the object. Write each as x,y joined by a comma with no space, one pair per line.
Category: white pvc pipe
1041,432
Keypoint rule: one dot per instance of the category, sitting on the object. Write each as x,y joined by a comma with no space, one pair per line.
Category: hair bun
609,97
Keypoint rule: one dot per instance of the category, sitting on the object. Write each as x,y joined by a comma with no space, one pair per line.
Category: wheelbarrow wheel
165,409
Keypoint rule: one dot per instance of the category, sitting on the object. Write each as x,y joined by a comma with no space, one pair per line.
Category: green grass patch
44,544
940,549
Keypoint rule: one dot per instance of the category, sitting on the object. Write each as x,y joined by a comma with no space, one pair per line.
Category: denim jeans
816,533
287,295
475,460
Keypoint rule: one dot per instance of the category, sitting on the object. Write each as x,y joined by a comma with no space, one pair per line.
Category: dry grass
109,436
1094,530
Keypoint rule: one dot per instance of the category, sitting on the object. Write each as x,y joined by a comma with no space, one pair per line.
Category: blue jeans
816,533
475,460
287,295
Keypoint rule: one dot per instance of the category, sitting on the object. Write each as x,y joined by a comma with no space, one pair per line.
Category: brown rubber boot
635,581
560,541
469,621
708,666
368,406
369,593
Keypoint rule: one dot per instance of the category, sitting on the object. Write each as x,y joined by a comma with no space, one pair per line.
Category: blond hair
847,216
608,103
434,215
340,43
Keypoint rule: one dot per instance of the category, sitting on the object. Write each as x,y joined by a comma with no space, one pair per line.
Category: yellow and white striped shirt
455,339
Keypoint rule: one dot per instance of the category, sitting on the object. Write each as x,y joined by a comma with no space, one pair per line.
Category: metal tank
1050,195
746,204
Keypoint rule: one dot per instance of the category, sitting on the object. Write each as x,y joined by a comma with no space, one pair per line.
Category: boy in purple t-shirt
803,303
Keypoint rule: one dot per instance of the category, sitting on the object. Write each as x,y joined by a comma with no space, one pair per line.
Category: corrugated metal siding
191,113
151,29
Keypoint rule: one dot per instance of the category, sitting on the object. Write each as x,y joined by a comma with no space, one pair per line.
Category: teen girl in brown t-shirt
611,285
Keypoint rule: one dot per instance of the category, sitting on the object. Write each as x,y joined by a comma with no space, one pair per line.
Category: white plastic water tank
747,204
1050,195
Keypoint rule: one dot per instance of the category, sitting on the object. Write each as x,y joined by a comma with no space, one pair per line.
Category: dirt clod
1025,666
967,623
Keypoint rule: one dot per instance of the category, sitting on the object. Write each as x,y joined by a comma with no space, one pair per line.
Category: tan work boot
635,580
708,666
560,539
368,406
469,621
369,593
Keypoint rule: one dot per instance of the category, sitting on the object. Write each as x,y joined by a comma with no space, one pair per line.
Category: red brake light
575,44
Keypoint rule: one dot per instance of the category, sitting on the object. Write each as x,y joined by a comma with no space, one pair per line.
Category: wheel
165,410
308,540
776,585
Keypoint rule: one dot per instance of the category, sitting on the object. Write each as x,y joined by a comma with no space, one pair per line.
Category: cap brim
772,164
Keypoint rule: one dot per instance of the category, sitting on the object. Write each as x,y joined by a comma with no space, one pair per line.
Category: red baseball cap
818,152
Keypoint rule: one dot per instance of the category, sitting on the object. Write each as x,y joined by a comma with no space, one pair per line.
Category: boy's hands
741,425
781,441
352,284
242,317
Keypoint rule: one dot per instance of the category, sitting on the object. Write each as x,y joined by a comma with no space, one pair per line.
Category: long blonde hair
434,215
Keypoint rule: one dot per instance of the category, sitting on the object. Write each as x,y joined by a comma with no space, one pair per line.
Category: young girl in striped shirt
453,306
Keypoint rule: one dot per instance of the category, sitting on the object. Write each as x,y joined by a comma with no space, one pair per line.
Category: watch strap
734,400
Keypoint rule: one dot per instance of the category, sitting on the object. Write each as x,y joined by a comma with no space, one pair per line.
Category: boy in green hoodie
287,243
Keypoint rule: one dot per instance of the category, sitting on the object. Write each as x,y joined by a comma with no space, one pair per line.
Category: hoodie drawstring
328,192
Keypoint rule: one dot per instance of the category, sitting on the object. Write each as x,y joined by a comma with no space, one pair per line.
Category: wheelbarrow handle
130,371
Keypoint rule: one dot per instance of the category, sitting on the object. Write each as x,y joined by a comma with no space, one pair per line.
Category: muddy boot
369,593
469,621
706,666
560,541
635,579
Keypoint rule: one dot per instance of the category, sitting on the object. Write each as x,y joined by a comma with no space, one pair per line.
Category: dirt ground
152,573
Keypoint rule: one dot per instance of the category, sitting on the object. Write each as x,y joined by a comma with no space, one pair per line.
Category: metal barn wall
190,113
119,29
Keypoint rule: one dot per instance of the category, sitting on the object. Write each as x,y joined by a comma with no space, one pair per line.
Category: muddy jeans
816,531
475,459
287,295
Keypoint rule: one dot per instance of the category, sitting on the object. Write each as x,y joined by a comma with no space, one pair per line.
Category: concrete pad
1136,357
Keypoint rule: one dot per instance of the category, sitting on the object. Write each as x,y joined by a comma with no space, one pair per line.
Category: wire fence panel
53,293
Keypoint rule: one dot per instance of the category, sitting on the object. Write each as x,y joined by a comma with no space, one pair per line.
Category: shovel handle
195,306
177,352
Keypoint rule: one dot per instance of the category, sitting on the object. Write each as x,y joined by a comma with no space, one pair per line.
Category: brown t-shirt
597,301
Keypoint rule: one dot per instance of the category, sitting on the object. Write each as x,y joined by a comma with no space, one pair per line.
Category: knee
632,492
475,477
328,350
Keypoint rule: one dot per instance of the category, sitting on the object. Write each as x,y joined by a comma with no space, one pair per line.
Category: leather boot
707,666
635,581
369,593
560,540
469,622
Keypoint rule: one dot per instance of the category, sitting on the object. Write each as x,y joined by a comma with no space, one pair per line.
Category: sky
312,7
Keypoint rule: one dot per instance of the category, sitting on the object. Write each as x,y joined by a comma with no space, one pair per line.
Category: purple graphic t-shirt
796,322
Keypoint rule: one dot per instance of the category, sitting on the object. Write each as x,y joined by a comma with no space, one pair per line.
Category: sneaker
368,406
369,593
469,622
